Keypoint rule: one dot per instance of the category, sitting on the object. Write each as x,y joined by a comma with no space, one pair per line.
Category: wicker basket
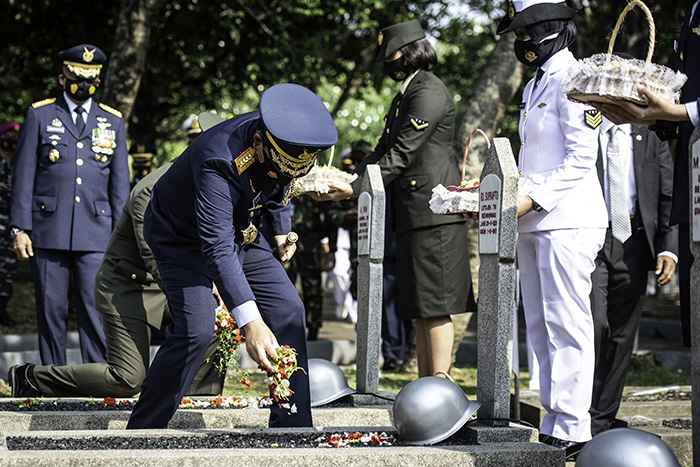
453,200
609,78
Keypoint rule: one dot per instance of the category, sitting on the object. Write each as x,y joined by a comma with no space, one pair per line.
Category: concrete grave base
500,447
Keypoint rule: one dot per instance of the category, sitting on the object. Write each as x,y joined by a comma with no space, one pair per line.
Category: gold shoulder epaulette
50,100
110,110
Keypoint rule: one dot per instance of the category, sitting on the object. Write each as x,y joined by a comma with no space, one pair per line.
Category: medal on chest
103,140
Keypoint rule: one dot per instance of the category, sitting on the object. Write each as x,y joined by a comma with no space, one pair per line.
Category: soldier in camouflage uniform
8,260
310,221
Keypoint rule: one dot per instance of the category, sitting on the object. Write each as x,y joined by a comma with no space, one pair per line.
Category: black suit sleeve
666,238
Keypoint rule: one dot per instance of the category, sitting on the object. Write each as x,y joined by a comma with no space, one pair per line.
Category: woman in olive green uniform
415,154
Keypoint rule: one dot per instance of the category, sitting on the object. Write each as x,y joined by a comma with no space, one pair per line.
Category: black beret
142,151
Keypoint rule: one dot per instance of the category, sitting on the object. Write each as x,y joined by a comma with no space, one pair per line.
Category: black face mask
81,89
268,166
397,69
533,52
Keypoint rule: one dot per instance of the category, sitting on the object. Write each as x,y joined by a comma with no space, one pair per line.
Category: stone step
184,418
501,447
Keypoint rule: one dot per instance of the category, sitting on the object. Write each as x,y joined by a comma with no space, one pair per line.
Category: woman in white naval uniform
562,220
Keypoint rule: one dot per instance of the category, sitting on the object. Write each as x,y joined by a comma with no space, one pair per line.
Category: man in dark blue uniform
202,226
70,182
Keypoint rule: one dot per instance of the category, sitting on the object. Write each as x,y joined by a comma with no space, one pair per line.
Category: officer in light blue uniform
70,182
202,226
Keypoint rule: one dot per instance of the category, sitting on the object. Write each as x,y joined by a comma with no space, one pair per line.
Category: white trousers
555,277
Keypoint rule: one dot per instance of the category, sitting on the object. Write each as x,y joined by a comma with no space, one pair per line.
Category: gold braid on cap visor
294,166
84,71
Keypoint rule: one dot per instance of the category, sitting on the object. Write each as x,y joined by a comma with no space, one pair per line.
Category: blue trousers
192,310
395,331
51,271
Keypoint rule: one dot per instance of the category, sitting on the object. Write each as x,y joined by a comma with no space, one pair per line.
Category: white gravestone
489,213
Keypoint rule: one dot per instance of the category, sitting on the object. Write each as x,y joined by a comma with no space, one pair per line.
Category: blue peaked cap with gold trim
297,126
85,60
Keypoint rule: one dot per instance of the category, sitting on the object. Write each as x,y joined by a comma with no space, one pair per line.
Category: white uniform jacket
558,156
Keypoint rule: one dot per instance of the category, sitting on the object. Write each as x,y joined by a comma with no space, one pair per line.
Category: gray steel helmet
626,447
327,382
431,409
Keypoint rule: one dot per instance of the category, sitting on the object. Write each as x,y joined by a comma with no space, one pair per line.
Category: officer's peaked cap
297,127
392,38
85,60
522,13
142,151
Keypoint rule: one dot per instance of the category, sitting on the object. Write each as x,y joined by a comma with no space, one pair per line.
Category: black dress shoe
572,448
5,320
21,379
391,366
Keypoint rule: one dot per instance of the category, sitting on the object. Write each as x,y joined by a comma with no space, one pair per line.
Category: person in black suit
671,120
644,242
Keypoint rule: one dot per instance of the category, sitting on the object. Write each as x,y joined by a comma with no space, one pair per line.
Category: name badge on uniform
521,106
55,129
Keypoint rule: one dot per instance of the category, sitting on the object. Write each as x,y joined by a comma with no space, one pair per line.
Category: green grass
392,382
645,372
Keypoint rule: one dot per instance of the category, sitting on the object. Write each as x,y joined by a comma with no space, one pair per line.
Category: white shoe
341,312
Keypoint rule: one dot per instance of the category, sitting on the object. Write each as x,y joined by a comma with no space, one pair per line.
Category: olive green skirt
433,276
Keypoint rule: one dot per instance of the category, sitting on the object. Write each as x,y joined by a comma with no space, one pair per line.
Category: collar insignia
245,160
593,118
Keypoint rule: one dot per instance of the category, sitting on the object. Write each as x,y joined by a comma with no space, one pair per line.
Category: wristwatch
536,207
15,231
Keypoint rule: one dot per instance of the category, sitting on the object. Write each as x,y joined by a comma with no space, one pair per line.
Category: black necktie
79,120
538,77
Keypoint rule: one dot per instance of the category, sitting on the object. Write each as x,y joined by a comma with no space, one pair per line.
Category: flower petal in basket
606,78
319,179
609,78
455,199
